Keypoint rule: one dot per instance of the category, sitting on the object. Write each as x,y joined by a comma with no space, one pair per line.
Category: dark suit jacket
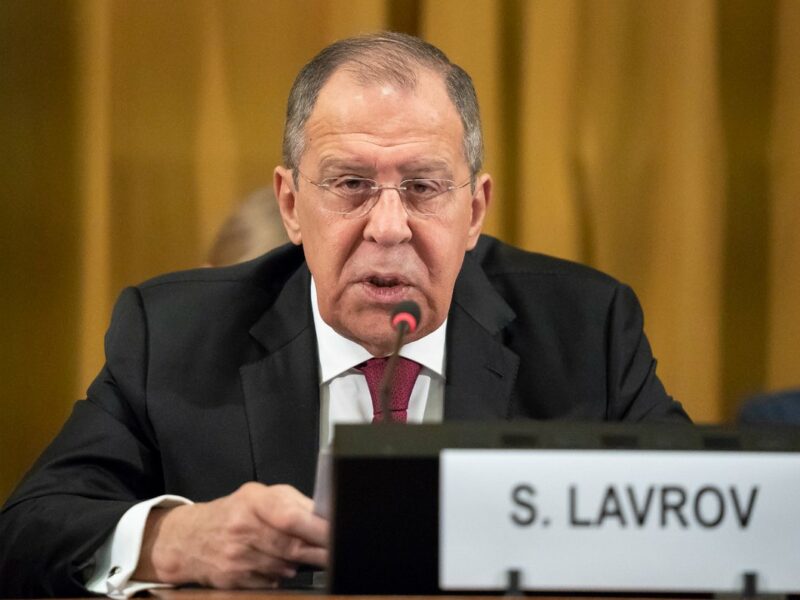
211,381
781,408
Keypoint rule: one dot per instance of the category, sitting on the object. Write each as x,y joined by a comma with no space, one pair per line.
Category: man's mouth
385,282
386,288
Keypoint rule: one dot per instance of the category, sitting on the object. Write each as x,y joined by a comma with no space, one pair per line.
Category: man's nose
387,222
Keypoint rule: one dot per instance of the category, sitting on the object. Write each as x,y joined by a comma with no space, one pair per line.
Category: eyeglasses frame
377,189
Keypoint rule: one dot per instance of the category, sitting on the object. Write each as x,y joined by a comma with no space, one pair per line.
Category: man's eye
352,185
423,187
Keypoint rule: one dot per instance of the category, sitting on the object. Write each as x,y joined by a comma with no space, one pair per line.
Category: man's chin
378,341
373,331
369,325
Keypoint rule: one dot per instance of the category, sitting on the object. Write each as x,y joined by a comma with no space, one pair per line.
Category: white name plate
619,520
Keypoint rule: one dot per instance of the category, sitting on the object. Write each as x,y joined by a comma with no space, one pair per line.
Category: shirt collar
337,354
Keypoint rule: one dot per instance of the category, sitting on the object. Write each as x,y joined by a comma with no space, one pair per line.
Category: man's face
363,266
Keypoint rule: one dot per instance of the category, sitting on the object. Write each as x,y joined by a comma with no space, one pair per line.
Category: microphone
405,318
405,315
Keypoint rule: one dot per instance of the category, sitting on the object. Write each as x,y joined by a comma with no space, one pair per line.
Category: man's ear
287,203
480,204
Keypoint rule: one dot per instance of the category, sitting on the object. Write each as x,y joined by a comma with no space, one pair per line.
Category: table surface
208,594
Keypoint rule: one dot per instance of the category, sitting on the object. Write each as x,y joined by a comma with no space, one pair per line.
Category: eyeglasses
353,197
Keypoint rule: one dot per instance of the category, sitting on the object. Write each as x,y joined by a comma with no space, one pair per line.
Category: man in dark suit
221,384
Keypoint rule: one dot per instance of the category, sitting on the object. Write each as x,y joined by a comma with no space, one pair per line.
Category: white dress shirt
344,398
344,395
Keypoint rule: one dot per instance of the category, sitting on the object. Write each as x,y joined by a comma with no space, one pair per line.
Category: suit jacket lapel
282,391
481,370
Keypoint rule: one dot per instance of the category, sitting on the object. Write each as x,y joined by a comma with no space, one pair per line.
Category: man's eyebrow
426,167
347,165
419,167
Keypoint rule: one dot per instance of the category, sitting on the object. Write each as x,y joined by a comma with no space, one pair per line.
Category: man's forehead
349,104
382,125
358,84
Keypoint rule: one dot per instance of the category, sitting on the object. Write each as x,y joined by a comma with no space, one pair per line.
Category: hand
251,539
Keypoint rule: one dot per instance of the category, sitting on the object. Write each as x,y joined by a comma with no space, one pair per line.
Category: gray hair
380,58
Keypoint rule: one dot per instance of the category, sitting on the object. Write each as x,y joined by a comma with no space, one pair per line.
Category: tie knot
400,388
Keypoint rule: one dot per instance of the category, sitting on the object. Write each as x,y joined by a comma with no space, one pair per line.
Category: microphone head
407,312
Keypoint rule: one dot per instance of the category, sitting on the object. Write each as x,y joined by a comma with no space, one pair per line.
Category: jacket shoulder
499,260
229,297
267,272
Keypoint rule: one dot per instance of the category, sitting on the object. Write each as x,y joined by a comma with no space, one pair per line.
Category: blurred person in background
252,229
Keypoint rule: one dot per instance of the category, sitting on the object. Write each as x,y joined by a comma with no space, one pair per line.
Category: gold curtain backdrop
656,140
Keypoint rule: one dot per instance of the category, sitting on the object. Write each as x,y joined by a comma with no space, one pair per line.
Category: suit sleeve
104,460
635,392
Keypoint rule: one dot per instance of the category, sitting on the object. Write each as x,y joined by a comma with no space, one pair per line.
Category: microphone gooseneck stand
405,317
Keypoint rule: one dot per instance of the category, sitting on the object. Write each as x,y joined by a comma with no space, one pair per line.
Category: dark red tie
405,375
